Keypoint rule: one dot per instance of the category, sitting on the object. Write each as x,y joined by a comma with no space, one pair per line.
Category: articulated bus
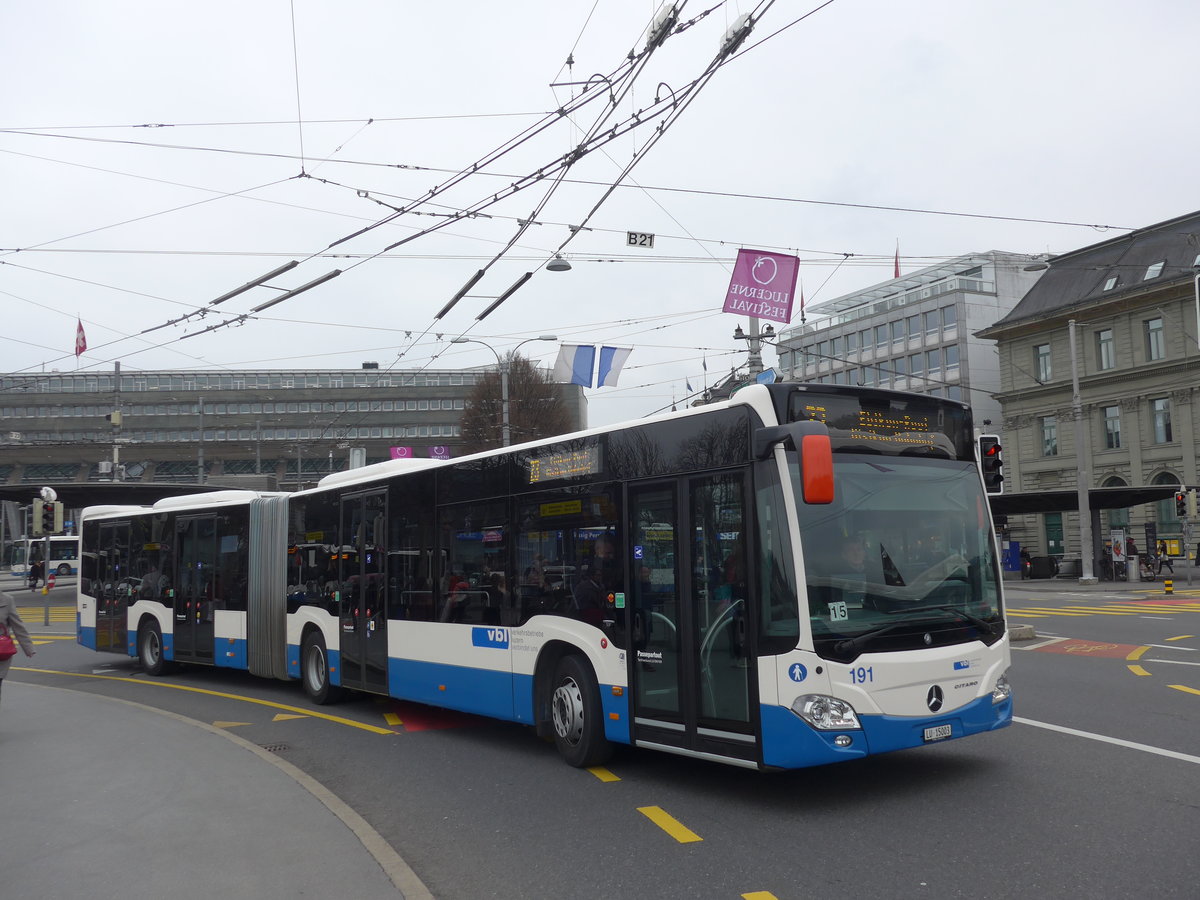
800,575
64,554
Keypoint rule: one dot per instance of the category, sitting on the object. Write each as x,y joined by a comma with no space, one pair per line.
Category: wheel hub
568,711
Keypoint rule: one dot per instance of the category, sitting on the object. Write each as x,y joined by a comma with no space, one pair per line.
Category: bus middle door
196,563
362,612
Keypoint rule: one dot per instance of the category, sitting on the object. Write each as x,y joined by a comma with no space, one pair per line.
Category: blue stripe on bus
615,729
788,741
85,634
230,653
293,660
483,691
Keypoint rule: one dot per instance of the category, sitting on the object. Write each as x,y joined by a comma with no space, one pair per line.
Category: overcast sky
287,126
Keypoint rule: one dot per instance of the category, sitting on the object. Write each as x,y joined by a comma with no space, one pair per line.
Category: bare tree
536,409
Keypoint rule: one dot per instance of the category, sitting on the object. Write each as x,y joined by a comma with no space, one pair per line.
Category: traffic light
1180,504
51,517
1191,503
35,516
991,463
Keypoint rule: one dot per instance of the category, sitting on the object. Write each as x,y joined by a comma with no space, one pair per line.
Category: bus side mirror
816,468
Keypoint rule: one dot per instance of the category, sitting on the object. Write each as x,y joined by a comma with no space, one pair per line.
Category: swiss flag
80,338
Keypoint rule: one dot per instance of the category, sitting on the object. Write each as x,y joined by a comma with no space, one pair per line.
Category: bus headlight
825,713
1003,690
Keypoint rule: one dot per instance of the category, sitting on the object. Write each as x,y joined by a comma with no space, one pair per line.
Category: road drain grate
275,748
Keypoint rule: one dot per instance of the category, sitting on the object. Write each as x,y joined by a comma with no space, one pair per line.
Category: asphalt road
1094,792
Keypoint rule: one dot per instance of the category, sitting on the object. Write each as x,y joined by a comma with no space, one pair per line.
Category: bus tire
576,714
150,649
64,569
314,669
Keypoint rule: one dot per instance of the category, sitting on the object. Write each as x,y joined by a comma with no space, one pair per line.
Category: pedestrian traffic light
35,516
991,463
1191,503
1180,504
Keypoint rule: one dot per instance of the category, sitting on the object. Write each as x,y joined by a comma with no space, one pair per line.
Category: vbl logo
489,637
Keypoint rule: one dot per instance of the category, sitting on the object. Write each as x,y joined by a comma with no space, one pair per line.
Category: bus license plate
938,733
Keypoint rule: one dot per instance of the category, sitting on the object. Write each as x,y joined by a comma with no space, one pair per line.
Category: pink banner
762,285
401,452
439,452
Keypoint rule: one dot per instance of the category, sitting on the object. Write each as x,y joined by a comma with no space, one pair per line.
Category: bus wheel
150,649
64,569
314,665
575,710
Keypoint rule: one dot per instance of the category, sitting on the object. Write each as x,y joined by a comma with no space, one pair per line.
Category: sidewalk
111,799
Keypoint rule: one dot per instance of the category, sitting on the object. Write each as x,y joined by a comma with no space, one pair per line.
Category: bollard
1168,586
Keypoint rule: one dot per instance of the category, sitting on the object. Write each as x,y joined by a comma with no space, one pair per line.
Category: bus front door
196,563
363,607
691,668
111,587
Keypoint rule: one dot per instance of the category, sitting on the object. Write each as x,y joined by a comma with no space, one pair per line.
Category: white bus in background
64,555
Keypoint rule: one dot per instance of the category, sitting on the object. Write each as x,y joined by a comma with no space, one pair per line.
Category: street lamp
1082,471
502,365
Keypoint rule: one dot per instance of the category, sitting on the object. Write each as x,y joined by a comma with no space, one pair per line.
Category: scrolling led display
566,464
899,425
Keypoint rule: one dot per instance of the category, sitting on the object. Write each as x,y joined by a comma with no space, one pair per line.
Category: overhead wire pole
1082,471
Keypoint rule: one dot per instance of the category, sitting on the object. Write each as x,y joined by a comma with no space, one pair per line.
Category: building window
1049,436
1155,348
933,361
898,332
899,365
1105,354
881,337
951,357
949,317
852,342
1154,270
931,322
916,363
1162,420
835,347
1041,362
1112,427
914,326
1111,282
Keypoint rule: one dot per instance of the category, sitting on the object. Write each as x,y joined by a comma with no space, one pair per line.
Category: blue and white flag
612,359
575,364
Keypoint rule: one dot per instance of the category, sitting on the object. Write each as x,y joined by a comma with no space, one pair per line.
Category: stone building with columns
1131,305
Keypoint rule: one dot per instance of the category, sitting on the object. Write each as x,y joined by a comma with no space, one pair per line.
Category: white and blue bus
64,555
800,575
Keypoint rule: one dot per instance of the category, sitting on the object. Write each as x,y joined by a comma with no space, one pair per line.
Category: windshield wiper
982,624
856,643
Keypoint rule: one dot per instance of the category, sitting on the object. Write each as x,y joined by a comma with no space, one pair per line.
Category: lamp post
502,365
754,341
1082,471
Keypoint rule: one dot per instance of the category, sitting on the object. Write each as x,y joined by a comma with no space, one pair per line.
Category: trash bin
1043,567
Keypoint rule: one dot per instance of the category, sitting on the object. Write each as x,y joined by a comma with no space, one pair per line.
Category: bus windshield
903,558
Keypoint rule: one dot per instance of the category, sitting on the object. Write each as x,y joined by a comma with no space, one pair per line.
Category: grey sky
1068,111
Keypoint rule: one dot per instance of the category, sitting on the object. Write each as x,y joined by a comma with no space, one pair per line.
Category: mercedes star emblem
934,698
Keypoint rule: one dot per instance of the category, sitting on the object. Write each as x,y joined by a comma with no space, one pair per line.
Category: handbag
7,648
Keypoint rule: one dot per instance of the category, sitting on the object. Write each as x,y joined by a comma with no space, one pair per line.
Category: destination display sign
878,422
565,464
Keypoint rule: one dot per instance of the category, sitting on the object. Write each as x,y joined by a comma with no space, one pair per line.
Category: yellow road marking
1181,687
284,717
1137,654
759,895
1138,670
392,719
1182,637
669,824
219,724
603,774
374,729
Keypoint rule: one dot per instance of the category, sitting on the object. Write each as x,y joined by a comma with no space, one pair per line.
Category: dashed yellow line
1183,687
1138,670
669,824
603,774
1137,654
1182,637
759,895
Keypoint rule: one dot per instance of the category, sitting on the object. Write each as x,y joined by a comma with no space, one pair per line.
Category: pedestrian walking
1164,558
11,627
